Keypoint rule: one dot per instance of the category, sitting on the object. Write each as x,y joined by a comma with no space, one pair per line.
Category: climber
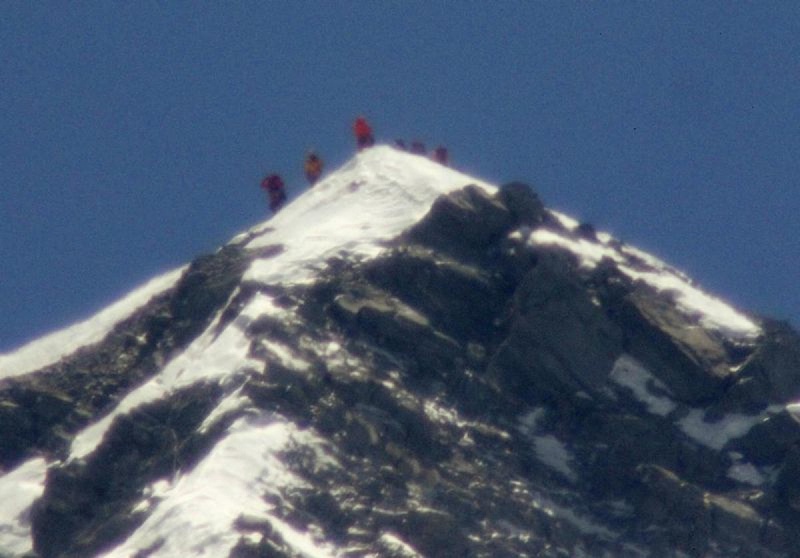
363,133
312,167
273,185
440,155
417,147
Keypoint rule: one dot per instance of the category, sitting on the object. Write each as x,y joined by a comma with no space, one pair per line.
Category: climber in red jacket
363,133
273,185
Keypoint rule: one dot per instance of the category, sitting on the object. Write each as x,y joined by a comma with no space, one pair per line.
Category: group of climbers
440,154
273,183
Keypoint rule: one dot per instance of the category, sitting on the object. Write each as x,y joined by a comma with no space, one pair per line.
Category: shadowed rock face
476,396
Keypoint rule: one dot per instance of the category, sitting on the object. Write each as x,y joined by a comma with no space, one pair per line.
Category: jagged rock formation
481,387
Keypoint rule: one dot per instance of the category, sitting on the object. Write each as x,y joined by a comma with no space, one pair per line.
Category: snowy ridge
712,313
51,348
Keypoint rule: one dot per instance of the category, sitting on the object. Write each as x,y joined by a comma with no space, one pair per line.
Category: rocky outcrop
40,412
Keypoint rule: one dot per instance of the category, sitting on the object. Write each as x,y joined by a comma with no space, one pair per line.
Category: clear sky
133,135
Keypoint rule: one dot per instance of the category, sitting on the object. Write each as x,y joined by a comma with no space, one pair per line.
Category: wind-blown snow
712,312
381,192
51,348
18,490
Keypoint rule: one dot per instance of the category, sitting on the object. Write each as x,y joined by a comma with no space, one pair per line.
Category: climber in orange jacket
313,167
363,133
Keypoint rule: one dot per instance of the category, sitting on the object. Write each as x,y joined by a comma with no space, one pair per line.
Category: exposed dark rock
769,441
524,204
774,368
681,354
560,342
464,223
691,518
88,505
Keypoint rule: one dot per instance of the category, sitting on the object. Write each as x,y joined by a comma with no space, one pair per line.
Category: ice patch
549,450
746,473
553,453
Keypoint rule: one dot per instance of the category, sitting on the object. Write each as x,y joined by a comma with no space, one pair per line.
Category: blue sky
133,135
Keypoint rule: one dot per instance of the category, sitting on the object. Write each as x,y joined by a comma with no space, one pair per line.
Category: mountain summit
406,361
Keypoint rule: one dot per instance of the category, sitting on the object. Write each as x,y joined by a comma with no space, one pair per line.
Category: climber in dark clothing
273,185
313,167
363,133
417,147
440,155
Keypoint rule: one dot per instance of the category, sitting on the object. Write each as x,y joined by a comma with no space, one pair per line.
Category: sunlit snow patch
397,547
631,374
794,410
18,490
717,434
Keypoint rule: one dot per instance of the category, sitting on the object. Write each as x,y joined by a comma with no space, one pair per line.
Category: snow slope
373,198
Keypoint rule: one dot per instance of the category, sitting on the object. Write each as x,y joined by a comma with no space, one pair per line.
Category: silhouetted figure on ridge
440,155
363,133
273,185
313,167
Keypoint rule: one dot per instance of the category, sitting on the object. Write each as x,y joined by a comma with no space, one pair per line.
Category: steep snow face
373,198
711,312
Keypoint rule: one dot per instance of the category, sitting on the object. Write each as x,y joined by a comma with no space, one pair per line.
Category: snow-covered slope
214,498
370,200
